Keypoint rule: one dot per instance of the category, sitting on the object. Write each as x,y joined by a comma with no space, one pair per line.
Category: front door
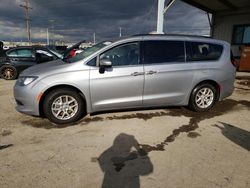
121,85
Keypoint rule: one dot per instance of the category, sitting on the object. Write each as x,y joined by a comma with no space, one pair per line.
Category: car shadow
235,134
124,162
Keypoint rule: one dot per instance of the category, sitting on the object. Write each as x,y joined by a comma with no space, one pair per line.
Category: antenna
27,18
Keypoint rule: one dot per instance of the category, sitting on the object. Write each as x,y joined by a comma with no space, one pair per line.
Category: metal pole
27,18
47,36
52,34
94,38
120,34
210,21
160,17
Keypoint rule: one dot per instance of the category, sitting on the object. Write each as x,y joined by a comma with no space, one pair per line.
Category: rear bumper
227,88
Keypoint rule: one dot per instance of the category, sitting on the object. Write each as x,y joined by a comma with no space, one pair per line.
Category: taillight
233,61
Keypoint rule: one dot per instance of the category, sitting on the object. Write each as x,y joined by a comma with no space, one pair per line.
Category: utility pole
120,34
94,38
47,36
52,33
27,18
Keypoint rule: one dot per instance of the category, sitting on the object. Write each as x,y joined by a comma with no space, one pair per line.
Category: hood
46,68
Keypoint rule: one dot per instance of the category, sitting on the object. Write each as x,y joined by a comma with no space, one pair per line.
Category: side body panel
116,88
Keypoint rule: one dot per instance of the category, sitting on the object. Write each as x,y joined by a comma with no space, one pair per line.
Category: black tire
200,103
8,72
52,99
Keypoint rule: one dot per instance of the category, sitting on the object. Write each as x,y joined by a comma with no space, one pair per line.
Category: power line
27,18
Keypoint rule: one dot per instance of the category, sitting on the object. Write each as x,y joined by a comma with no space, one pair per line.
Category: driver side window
127,54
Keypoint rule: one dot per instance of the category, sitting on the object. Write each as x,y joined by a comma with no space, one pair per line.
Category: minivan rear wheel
63,106
202,97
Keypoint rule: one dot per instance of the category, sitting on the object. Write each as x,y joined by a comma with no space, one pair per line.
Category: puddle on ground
220,108
5,146
143,116
193,134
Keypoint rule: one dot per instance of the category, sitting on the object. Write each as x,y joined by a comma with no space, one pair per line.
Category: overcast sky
75,20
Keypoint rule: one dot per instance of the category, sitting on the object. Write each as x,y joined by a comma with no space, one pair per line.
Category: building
230,20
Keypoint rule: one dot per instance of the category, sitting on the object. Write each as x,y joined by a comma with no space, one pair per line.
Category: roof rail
169,34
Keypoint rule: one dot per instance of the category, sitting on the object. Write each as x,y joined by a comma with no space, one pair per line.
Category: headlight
25,80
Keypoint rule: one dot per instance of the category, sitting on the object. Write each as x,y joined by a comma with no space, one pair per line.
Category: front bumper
26,98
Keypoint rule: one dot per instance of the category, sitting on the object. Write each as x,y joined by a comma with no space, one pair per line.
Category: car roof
191,38
171,35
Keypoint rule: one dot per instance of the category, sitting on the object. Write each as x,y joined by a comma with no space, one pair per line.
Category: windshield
87,52
56,53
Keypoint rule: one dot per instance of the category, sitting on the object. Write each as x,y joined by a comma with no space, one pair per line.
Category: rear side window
163,52
200,51
21,53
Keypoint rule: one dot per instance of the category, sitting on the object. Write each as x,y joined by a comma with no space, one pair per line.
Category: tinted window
127,54
21,53
92,62
163,51
200,51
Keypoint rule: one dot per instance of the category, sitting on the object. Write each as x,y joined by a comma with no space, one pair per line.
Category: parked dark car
17,59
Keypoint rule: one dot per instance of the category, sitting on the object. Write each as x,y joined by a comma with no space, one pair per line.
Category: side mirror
104,63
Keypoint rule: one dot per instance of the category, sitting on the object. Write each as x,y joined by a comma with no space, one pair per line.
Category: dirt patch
241,88
244,83
2,93
242,77
243,80
6,133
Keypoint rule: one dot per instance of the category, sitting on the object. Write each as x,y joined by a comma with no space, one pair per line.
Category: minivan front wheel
202,98
63,106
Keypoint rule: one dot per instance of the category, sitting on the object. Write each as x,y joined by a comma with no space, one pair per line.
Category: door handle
151,72
137,73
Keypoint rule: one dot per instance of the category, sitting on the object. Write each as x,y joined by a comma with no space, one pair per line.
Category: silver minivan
136,72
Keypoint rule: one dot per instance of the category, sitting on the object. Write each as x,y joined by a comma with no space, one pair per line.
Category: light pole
160,16
161,11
